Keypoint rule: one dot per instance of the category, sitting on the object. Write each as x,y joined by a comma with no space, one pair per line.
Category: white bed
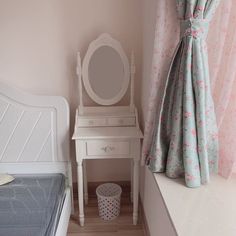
34,139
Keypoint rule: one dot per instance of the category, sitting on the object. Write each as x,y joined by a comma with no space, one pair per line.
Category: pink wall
158,220
39,41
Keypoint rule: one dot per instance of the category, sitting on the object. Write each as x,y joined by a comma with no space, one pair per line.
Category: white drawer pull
108,149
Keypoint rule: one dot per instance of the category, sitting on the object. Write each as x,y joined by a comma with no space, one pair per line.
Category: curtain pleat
184,140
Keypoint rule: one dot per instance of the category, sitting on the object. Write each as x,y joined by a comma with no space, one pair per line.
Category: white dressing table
103,132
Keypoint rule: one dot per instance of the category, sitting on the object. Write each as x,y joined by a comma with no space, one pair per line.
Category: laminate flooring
95,226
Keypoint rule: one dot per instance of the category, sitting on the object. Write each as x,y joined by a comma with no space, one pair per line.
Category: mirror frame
105,40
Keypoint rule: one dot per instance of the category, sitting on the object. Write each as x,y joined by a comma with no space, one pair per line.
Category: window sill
207,210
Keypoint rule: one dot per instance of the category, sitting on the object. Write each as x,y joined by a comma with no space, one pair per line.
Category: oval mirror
106,71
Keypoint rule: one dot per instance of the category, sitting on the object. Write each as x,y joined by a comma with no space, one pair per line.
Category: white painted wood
97,121
91,122
79,74
95,157
106,133
80,192
80,152
122,121
132,73
105,40
136,116
70,183
131,179
103,143
65,215
103,132
135,192
85,183
34,139
32,126
136,146
107,111
107,148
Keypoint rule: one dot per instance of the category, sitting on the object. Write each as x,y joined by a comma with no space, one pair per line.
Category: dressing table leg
135,191
131,180
71,188
80,193
85,183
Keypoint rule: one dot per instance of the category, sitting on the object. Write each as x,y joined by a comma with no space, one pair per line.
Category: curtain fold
184,140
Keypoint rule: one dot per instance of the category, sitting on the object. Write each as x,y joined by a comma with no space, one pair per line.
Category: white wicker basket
108,200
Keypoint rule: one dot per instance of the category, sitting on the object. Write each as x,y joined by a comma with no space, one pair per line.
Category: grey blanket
30,205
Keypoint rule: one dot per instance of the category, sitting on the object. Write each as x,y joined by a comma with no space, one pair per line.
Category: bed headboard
34,132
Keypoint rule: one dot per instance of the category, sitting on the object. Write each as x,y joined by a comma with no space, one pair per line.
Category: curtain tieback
196,28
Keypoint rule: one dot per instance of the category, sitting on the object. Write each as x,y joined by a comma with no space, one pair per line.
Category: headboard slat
33,129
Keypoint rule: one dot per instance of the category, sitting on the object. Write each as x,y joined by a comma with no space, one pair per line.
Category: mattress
31,205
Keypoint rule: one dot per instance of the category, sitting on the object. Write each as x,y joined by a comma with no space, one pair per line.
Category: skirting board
125,185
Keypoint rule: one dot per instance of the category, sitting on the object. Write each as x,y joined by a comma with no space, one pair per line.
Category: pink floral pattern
221,43
182,143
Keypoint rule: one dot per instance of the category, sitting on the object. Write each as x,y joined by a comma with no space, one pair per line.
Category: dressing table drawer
123,121
104,148
91,122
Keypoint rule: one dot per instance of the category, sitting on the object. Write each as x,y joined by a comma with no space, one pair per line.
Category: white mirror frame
105,40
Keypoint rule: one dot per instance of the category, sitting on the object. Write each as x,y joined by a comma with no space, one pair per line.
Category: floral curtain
221,42
222,63
181,133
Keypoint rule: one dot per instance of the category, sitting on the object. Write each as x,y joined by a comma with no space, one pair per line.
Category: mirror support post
132,74
79,74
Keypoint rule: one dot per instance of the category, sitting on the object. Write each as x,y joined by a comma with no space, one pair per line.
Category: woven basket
108,196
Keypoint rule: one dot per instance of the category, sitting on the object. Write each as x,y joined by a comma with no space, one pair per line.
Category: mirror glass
106,72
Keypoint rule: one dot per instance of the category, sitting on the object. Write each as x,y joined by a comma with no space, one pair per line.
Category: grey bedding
30,205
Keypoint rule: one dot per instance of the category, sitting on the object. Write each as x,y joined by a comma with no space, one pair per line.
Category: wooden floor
94,226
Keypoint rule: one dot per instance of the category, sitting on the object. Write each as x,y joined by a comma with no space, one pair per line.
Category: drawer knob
108,149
